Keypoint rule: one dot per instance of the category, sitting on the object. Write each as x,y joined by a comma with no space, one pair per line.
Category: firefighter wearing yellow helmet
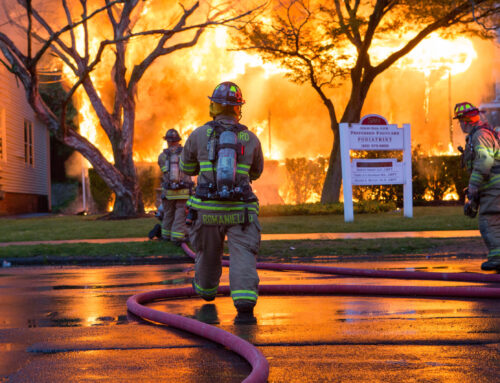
482,159
176,189
226,156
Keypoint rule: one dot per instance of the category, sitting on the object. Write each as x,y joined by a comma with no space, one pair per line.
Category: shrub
305,178
63,194
101,193
319,209
149,180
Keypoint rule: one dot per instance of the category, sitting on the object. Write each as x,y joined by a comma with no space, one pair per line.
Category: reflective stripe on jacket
221,206
485,163
194,161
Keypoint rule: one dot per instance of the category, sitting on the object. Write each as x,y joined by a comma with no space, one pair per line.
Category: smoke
74,165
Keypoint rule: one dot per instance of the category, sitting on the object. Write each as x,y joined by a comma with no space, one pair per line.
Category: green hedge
149,180
319,209
101,193
431,175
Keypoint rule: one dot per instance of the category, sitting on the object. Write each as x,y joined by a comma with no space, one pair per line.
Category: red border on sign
373,119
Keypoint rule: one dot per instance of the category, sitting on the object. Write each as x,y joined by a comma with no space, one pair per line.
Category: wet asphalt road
70,324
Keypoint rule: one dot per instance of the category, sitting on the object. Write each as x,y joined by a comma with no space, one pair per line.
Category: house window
28,143
3,143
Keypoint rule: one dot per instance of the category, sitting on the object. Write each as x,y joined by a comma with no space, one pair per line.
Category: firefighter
481,157
226,156
176,189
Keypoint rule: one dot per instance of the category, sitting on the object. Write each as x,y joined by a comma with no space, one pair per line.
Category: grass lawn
270,250
88,227
119,250
424,218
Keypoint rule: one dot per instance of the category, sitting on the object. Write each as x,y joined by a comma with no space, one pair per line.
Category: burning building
289,118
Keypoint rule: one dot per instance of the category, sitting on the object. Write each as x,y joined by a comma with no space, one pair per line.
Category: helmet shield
227,93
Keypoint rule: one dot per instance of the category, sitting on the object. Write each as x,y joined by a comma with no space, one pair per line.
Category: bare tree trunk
352,113
333,179
128,203
119,123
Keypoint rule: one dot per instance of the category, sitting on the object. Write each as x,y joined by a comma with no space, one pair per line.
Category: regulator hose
260,366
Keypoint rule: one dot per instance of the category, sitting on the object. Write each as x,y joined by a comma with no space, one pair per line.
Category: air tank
174,176
226,164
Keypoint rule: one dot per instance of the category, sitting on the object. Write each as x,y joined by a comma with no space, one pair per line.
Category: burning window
28,143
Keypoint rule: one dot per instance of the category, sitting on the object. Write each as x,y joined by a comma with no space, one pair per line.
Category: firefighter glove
191,217
470,209
472,193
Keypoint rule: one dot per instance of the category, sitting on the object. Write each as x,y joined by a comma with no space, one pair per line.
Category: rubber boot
156,232
208,298
245,312
491,264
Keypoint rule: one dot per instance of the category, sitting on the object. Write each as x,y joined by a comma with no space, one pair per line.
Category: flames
433,54
289,119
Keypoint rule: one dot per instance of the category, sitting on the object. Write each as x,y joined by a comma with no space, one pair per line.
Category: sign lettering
373,133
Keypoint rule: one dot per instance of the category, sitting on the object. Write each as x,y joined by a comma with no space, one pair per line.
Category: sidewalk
281,237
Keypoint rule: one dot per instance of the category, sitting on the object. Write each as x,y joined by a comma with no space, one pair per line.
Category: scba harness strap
175,186
209,191
217,129
485,127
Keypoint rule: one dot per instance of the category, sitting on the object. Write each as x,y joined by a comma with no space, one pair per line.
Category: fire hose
260,366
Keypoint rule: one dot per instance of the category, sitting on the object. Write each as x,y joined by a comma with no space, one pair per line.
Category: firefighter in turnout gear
481,157
176,189
226,156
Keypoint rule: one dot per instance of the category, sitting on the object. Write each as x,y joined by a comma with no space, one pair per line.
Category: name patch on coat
225,218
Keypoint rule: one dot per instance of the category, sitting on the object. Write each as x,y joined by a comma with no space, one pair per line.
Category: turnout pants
243,244
489,220
173,225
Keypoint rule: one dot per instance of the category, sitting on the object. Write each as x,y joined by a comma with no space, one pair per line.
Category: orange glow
438,151
173,93
450,195
434,54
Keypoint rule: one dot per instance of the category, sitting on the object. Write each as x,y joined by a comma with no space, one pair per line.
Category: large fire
289,119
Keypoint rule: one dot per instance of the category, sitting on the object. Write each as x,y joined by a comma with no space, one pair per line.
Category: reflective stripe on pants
173,225
243,245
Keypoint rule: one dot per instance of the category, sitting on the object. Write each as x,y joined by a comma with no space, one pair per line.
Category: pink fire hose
260,366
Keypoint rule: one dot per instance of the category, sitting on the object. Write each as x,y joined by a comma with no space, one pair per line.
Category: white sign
377,172
374,133
375,137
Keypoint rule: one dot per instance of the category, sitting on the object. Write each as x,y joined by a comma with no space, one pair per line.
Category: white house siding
17,176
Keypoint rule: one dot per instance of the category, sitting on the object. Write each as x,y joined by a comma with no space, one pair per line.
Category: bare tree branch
343,25
70,22
449,19
55,35
119,125
478,21
161,50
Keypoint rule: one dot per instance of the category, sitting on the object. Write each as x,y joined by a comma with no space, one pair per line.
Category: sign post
373,133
